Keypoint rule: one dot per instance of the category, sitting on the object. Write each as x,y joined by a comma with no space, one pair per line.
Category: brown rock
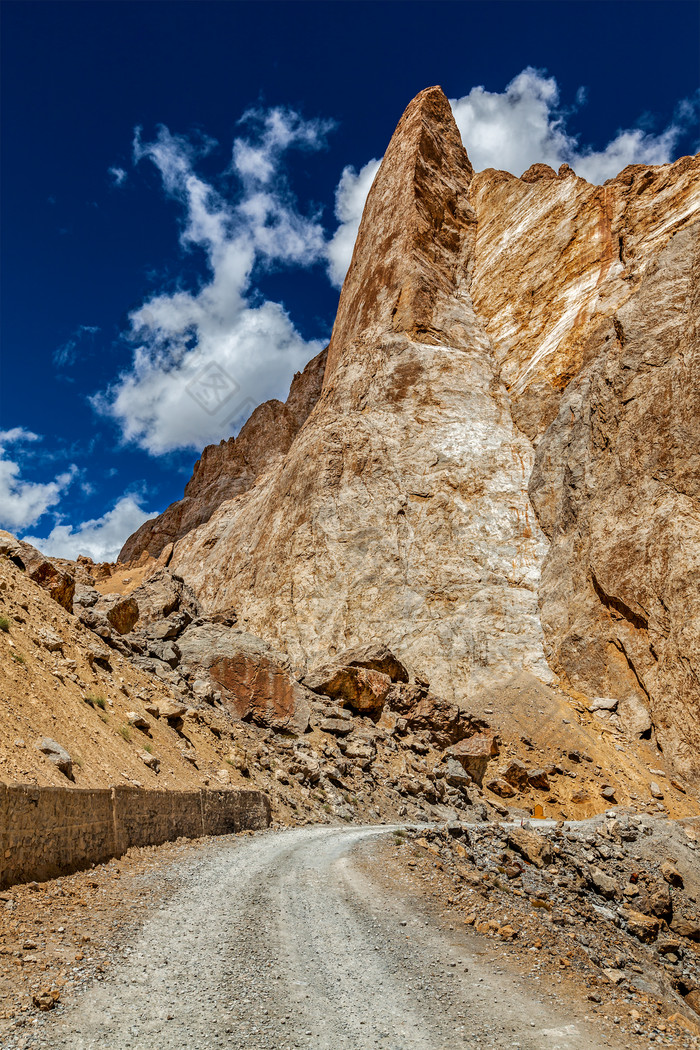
533,847
260,690
445,722
689,928
656,901
47,998
474,753
644,927
170,710
517,774
254,679
671,874
138,721
123,614
501,787
693,1000
59,584
374,658
363,690
537,778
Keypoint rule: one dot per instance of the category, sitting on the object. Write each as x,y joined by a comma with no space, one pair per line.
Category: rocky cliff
499,478
231,467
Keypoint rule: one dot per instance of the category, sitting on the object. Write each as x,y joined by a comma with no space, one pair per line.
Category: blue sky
181,187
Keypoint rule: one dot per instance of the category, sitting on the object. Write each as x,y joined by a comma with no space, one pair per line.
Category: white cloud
100,538
510,130
119,176
526,124
187,341
350,196
23,502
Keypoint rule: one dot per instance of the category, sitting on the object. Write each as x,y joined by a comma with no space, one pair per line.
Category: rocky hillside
498,480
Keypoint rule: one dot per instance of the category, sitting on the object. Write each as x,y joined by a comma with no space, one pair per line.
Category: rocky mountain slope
498,480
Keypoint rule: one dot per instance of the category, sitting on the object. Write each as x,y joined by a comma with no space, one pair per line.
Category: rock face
400,512
253,679
231,467
501,471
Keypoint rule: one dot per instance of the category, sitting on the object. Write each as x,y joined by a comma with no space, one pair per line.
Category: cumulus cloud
526,124
99,538
350,196
204,357
510,130
23,502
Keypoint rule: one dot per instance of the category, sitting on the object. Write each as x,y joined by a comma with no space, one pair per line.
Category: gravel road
282,940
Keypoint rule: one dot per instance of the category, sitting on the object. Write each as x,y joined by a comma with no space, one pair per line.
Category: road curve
282,941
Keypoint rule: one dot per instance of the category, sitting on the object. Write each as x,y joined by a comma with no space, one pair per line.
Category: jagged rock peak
414,237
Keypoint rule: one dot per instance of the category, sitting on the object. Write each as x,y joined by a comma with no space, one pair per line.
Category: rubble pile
612,902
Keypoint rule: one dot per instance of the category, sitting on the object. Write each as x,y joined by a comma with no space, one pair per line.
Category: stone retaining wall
49,831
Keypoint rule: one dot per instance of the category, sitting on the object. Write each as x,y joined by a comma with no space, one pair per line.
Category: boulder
138,721
444,721
374,658
455,775
260,690
170,710
254,679
537,778
534,847
689,928
337,726
671,874
150,760
359,688
122,613
602,883
162,594
517,774
656,901
474,753
56,754
501,787
644,927
404,698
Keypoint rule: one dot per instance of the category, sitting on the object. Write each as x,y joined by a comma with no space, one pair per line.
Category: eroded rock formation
499,479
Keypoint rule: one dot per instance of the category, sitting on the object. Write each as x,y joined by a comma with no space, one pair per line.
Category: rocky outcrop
500,473
231,467
400,512
42,570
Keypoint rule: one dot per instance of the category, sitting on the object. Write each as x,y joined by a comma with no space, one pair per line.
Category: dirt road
282,940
